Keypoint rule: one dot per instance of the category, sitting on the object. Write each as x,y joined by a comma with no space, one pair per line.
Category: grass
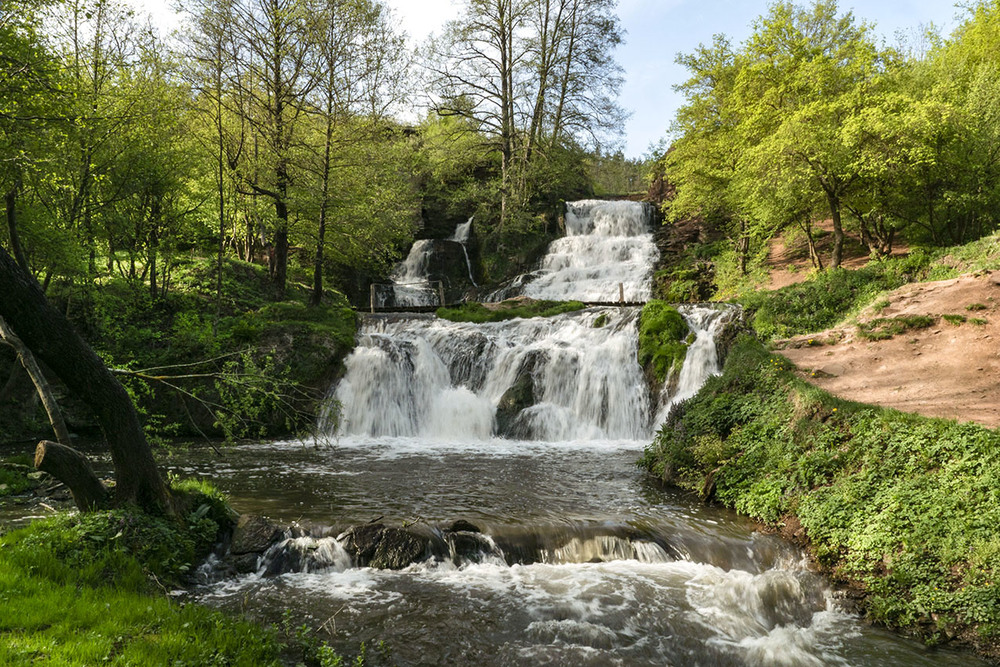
886,327
957,320
829,297
89,589
662,344
507,310
908,507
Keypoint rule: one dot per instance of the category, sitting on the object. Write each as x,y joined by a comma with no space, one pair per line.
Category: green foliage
662,333
883,328
76,590
829,297
955,319
507,310
906,505
13,480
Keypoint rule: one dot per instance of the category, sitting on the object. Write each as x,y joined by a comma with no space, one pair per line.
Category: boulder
519,396
253,534
383,547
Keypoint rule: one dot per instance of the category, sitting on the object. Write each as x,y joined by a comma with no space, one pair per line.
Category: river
512,446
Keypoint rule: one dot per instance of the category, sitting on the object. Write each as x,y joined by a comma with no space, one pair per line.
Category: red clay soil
945,370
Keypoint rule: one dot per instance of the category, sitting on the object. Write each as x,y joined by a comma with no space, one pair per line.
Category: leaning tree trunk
38,379
72,469
52,339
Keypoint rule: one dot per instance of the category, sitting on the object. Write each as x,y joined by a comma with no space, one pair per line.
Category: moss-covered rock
662,344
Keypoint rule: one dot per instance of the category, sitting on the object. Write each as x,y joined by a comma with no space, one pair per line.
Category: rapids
548,546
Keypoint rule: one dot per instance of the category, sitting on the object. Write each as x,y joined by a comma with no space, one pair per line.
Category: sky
656,31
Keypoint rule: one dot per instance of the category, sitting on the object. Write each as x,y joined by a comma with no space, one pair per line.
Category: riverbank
901,507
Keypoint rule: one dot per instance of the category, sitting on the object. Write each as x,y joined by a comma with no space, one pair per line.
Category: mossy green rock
662,334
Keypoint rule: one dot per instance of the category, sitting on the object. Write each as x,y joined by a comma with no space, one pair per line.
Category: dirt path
944,370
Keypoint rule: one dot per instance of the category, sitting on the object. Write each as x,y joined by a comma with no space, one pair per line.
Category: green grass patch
89,589
976,306
886,327
829,297
507,310
662,334
907,506
978,321
957,320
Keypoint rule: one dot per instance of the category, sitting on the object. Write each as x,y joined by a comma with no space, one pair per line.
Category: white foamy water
608,251
702,360
444,380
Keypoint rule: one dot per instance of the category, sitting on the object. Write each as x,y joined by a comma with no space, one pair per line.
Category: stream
512,446
622,572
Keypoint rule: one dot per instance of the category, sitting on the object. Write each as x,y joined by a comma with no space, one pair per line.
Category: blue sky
657,30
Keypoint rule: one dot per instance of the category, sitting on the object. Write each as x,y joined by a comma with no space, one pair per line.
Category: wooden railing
441,300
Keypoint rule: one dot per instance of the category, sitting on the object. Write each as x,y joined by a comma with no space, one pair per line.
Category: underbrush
909,507
883,328
255,367
830,296
507,310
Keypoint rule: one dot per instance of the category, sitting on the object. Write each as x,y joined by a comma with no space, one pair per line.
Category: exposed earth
937,367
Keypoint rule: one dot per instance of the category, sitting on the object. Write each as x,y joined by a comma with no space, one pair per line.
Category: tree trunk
72,469
52,339
838,230
10,200
38,379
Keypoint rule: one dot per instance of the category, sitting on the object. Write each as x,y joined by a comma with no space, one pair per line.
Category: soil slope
944,370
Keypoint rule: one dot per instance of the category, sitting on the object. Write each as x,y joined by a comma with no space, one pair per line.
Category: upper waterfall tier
608,251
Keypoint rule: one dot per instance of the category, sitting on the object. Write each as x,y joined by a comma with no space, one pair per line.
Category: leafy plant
886,327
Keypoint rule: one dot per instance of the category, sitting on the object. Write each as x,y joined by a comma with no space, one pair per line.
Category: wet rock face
383,547
519,396
253,535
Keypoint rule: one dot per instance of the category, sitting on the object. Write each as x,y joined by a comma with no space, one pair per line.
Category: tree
359,60
534,77
52,339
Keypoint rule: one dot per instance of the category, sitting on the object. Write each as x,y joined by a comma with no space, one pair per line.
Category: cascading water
410,286
559,378
702,358
608,252
546,546
461,235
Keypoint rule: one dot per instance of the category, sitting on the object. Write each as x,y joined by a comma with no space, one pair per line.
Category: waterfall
702,359
569,377
462,232
410,285
607,244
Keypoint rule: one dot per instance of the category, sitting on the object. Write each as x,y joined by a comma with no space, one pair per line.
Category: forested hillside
815,127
